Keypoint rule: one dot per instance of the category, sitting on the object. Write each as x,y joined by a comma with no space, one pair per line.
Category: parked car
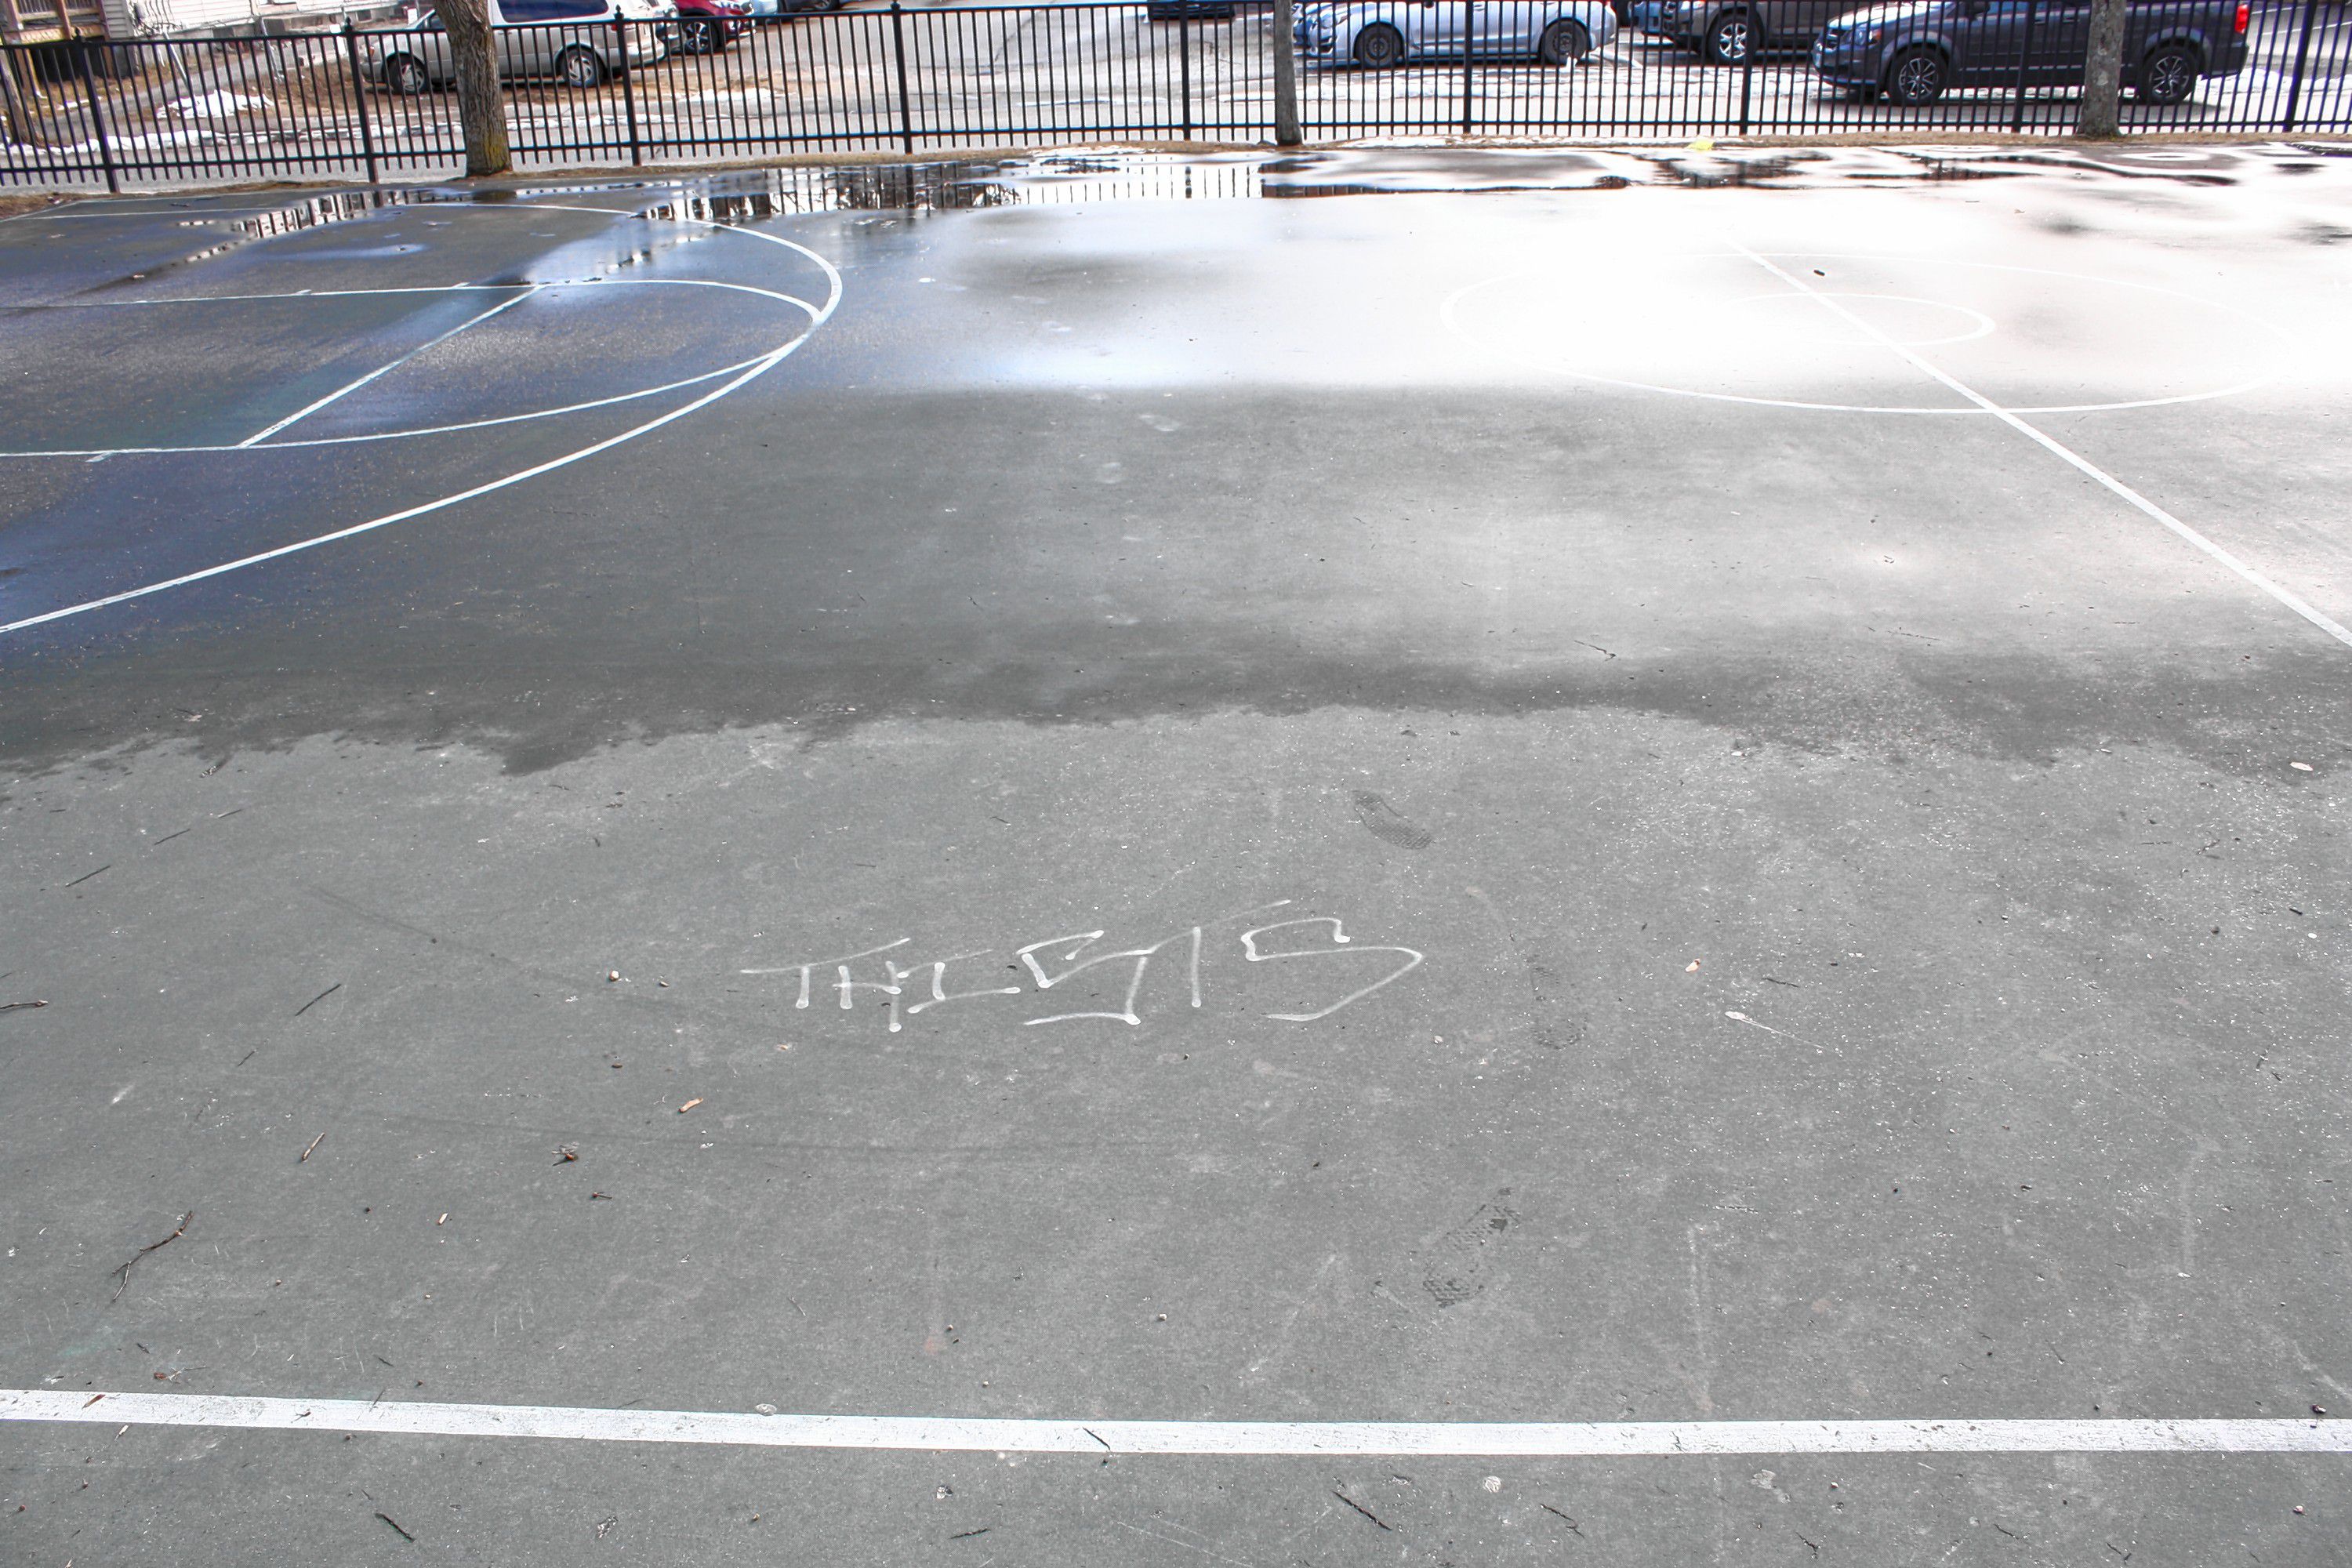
1378,34
707,27
769,10
586,51
1724,30
1915,53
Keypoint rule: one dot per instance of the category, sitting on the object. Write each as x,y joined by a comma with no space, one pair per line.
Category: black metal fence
376,104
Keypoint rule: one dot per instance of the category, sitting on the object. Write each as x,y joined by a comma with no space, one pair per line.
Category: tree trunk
1285,76
12,30
2102,73
481,103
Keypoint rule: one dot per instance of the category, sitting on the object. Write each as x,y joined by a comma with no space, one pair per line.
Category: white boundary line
301,414
934,1434
756,369
247,445
2056,448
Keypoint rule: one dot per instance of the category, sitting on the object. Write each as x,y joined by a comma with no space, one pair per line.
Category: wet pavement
1872,883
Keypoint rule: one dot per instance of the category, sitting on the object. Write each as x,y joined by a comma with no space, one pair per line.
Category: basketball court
1563,858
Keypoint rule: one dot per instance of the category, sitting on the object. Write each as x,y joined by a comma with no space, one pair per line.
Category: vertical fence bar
906,103
628,89
359,98
1754,39
2025,53
1184,63
1469,48
97,116
2301,56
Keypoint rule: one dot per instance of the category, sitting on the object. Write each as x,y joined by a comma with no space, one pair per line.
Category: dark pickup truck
1915,53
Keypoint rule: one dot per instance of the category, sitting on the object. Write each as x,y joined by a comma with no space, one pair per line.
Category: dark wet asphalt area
1878,888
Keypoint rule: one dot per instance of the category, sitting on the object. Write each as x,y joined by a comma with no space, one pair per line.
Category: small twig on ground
967,1534
123,1275
395,1525
314,1143
322,996
12,1007
1573,1529
77,881
1368,1513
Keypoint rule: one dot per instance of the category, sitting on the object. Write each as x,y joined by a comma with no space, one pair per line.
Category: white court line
355,438
363,435
2060,451
757,368
1450,312
301,414
936,1434
415,288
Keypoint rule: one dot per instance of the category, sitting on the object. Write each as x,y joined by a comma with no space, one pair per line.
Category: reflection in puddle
1068,179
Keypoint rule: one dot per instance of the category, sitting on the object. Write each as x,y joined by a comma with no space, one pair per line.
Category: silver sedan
414,58
1382,33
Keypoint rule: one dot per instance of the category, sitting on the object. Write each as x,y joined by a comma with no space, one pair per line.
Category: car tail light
2242,9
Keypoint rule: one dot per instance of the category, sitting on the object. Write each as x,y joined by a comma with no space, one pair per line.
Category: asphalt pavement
1552,787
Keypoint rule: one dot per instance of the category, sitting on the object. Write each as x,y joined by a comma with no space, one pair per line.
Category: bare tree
481,103
1285,77
12,30
2103,72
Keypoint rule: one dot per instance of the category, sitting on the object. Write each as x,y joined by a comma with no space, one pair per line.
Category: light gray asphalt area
1877,892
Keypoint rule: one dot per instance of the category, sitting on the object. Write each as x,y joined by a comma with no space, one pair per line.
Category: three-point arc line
754,369
1246,1440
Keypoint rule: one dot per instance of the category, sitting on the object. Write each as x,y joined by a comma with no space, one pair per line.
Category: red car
707,27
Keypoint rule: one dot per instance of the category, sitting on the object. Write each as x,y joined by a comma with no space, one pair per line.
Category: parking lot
955,876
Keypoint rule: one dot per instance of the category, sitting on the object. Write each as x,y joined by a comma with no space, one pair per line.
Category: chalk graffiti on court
1301,943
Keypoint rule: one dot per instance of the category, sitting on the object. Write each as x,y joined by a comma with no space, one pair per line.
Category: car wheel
699,35
1728,41
1379,47
1564,43
580,68
1917,77
404,75
2167,76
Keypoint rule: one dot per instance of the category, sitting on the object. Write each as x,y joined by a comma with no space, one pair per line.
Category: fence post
628,88
2025,53
1184,63
905,105
359,98
1469,50
1747,66
97,117
2302,53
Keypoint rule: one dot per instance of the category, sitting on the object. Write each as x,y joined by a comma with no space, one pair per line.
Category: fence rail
375,104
